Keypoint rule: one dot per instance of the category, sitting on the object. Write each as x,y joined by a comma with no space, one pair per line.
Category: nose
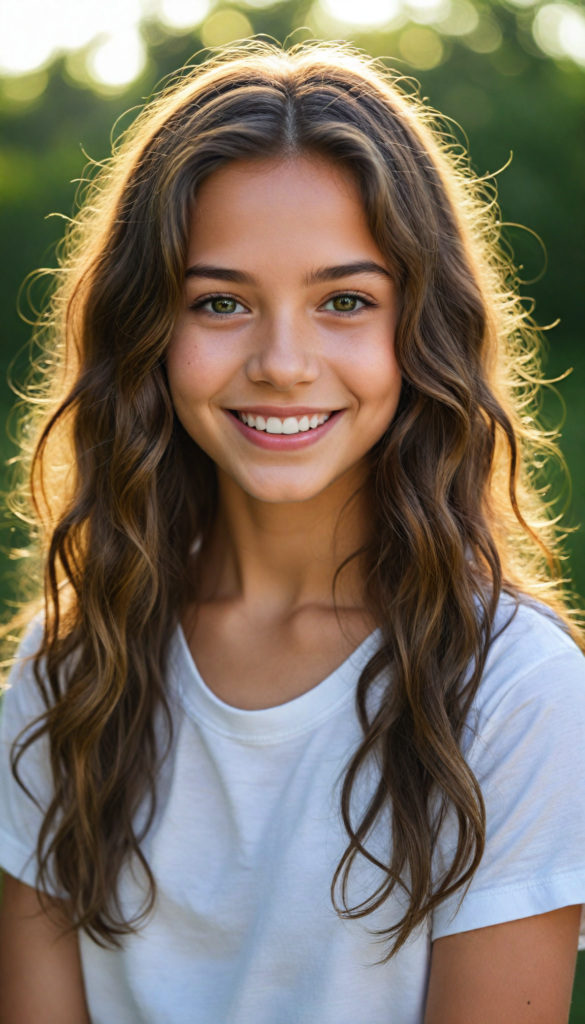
285,354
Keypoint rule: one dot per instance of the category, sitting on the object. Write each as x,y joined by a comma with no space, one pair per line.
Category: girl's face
282,365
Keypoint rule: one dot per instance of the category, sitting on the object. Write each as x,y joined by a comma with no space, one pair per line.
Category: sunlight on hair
559,30
462,475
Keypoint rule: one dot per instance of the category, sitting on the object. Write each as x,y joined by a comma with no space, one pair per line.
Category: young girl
300,734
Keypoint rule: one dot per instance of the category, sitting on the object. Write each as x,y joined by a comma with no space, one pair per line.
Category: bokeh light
462,19
225,27
20,49
428,12
559,30
486,36
182,14
366,13
261,3
24,89
572,35
118,60
421,47
103,47
33,31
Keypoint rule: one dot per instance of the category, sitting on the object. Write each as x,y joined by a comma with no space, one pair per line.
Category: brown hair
449,477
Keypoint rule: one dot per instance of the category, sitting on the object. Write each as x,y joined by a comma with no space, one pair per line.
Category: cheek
196,372
373,375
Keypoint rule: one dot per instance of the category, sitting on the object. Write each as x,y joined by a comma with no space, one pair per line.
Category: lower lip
285,442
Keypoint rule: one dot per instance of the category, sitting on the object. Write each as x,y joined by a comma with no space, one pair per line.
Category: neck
285,555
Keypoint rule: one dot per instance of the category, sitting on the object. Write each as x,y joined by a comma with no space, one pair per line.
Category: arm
40,967
521,971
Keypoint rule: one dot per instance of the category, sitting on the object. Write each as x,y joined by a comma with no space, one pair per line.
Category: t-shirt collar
269,725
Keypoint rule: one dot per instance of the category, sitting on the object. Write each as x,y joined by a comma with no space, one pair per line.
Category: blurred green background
512,75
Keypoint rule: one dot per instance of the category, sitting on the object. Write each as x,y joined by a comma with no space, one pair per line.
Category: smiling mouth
284,425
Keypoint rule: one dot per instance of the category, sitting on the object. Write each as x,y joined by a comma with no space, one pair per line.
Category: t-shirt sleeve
20,815
528,754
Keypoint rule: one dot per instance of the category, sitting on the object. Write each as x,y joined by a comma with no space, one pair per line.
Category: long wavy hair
118,490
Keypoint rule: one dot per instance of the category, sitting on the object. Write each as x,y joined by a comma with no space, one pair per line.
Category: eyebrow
333,273
219,273
345,270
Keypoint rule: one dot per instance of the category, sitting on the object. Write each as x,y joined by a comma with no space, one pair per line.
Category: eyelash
204,299
368,303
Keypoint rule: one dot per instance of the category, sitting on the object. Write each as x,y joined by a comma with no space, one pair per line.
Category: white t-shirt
248,835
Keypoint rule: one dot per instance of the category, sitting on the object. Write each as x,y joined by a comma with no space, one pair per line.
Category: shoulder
21,698
534,670
529,640
525,744
527,633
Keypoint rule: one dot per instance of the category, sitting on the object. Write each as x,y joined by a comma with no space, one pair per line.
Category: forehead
298,210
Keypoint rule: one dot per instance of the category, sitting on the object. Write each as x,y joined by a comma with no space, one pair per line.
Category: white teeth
288,425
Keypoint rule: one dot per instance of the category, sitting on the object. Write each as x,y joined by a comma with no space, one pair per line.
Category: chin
281,492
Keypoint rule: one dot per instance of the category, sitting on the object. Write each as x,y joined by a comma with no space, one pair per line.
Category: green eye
224,305
344,303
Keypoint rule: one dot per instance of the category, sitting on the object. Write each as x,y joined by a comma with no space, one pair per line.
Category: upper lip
283,411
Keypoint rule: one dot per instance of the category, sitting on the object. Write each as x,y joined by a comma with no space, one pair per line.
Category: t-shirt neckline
275,724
